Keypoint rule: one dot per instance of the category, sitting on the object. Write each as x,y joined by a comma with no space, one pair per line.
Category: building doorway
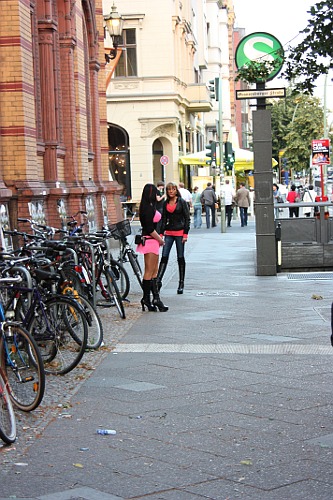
158,169
119,159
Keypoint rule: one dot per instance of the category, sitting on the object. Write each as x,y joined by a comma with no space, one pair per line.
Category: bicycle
98,275
20,358
56,322
120,231
7,416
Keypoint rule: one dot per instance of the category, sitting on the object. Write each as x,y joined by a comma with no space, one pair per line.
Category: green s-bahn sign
260,47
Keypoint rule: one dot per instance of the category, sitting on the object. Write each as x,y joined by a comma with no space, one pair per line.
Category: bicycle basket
120,230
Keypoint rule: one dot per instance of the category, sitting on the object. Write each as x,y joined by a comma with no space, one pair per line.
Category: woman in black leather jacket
175,226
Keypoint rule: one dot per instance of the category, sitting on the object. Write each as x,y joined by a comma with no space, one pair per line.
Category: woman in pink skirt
149,217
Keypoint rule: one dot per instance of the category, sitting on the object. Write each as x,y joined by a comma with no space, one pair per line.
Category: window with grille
127,65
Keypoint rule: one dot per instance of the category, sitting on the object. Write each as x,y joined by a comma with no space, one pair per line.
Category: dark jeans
210,209
228,214
169,240
293,211
243,215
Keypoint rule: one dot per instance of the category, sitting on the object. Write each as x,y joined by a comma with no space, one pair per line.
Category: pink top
180,232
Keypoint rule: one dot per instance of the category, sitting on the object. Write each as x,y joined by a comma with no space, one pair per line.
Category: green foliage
313,56
257,71
296,121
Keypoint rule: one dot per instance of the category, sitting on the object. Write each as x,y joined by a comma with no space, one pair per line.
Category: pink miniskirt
151,246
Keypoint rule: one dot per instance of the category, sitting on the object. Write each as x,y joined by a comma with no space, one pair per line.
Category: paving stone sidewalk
225,396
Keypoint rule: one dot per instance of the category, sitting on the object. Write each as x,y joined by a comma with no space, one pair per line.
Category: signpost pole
221,155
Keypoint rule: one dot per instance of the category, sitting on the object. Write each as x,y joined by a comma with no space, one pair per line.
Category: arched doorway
119,159
158,169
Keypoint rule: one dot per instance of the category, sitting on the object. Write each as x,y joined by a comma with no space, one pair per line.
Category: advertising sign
321,152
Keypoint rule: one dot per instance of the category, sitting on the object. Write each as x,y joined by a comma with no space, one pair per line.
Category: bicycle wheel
110,291
95,326
22,363
134,261
60,329
7,416
121,277
73,278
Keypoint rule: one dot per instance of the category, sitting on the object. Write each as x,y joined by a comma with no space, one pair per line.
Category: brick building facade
53,127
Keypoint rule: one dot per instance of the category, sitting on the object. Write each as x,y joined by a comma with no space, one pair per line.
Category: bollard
278,247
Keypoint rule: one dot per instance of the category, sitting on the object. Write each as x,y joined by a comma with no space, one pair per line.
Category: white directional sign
257,94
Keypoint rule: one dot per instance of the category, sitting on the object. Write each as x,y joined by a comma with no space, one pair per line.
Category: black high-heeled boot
181,266
161,271
145,301
156,297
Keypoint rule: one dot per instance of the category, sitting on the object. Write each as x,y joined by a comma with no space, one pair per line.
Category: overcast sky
284,19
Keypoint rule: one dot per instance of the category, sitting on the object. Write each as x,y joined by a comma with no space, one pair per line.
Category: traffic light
229,156
213,87
211,153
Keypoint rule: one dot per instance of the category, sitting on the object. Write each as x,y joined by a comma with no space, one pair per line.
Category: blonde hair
172,184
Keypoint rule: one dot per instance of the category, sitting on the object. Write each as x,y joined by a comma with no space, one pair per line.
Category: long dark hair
148,198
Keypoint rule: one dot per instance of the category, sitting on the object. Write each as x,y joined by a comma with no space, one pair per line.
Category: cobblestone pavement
60,389
225,397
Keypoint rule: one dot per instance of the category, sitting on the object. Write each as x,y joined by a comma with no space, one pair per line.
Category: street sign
257,94
260,47
164,160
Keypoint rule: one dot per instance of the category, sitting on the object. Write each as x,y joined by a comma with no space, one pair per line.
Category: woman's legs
195,217
164,260
151,265
199,209
180,246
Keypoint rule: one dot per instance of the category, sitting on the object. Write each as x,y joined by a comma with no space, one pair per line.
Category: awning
243,159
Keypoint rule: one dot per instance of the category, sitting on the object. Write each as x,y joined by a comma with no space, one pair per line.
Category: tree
313,56
296,121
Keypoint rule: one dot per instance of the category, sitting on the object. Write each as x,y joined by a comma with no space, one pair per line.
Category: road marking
325,350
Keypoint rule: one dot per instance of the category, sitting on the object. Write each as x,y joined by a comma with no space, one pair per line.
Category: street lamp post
114,25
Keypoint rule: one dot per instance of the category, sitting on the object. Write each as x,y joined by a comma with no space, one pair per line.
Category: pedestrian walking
197,208
185,194
292,197
308,197
228,194
175,227
208,198
243,201
150,246
161,197
276,199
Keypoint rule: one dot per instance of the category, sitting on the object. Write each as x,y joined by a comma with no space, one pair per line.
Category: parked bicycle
120,231
56,322
20,358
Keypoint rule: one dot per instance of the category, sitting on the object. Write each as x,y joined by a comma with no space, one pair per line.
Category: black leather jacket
179,219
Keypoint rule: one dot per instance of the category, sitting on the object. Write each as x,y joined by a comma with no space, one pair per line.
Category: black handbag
139,240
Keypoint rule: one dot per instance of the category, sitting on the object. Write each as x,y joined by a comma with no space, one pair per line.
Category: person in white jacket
309,196
228,193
